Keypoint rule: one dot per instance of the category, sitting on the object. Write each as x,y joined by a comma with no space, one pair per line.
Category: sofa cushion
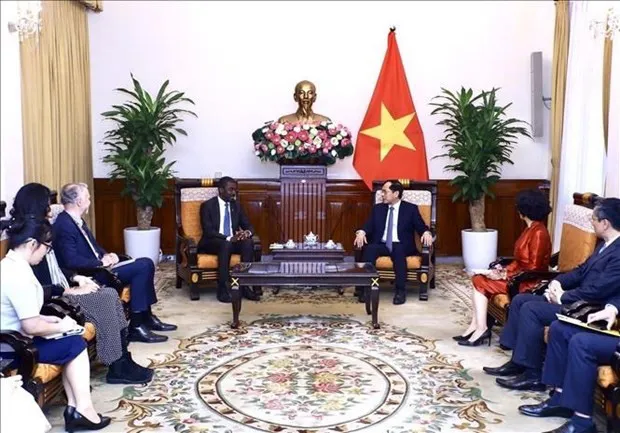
578,238
607,376
209,261
385,262
191,199
89,331
126,295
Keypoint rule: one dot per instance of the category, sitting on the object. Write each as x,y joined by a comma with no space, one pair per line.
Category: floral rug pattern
306,374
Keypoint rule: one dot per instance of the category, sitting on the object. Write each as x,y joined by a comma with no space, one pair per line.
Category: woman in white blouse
21,300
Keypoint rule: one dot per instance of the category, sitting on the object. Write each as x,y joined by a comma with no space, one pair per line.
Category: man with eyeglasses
597,280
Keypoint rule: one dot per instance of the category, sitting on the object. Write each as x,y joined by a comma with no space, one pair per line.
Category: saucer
331,247
290,246
276,246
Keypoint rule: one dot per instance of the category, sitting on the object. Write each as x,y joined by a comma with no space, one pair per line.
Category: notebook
119,264
79,330
576,322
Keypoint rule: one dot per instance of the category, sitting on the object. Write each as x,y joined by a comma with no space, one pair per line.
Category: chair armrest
188,249
525,276
26,354
258,248
502,261
70,309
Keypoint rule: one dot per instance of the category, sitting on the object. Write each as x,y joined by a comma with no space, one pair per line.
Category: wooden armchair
197,269
420,269
576,245
43,381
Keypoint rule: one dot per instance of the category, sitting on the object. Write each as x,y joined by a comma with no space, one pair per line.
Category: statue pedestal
302,191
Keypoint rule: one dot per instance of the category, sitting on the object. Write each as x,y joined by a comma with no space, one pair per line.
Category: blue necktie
226,220
390,223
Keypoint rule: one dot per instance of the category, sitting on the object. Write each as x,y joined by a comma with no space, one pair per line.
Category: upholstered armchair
195,269
576,245
420,269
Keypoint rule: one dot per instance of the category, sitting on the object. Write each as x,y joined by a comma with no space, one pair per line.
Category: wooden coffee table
304,274
309,253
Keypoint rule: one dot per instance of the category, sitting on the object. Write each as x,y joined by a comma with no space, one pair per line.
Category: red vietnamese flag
390,143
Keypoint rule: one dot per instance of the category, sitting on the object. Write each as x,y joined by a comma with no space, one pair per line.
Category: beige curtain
607,53
56,118
558,90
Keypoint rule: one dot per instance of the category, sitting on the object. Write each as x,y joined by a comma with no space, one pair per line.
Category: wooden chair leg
424,291
179,282
194,293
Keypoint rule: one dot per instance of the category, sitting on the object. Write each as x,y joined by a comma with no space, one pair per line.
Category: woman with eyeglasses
21,300
101,305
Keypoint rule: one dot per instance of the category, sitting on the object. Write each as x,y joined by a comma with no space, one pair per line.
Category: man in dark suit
390,231
76,249
571,367
226,230
596,280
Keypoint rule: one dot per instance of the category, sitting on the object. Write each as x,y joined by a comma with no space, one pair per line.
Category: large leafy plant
480,139
144,126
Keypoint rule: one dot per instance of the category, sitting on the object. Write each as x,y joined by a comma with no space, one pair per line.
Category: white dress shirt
222,204
394,223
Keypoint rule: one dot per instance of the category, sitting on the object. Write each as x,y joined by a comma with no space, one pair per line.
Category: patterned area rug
307,374
307,361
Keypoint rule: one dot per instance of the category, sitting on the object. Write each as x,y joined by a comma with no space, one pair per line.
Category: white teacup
330,244
290,243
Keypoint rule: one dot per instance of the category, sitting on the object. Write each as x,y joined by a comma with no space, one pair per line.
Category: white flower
314,131
273,151
265,129
297,142
334,153
257,153
297,129
343,133
339,137
306,127
283,143
317,141
283,133
334,141
291,147
324,123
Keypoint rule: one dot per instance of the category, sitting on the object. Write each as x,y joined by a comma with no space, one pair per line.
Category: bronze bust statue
305,95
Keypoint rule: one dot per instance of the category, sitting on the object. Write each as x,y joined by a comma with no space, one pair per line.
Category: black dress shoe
68,413
462,337
485,336
135,365
250,294
522,382
399,298
544,409
508,369
501,346
78,422
142,334
154,324
570,427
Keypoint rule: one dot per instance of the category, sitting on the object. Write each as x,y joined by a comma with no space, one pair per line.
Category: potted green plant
479,138
143,127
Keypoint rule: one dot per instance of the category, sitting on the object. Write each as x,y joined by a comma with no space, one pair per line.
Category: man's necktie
227,220
390,223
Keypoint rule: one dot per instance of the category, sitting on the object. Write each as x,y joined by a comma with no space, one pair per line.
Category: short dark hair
609,209
533,204
31,199
23,229
396,186
224,181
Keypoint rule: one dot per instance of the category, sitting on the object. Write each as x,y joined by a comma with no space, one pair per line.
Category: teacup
330,244
290,243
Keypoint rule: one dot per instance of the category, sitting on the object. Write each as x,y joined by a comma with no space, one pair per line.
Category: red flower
303,136
323,135
276,139
326,387
280,150
345,142
268,135
312,149
278,377
291,137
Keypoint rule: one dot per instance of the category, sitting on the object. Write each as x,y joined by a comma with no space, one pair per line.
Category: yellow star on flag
391,131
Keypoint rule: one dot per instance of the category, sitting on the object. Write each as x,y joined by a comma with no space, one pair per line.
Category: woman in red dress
532,252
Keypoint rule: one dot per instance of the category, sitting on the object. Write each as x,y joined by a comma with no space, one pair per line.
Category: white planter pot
143,243
479,248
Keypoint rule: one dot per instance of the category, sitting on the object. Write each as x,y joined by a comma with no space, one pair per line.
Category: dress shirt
80,223
396,207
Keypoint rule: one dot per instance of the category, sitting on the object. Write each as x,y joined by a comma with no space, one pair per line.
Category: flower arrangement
287,143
